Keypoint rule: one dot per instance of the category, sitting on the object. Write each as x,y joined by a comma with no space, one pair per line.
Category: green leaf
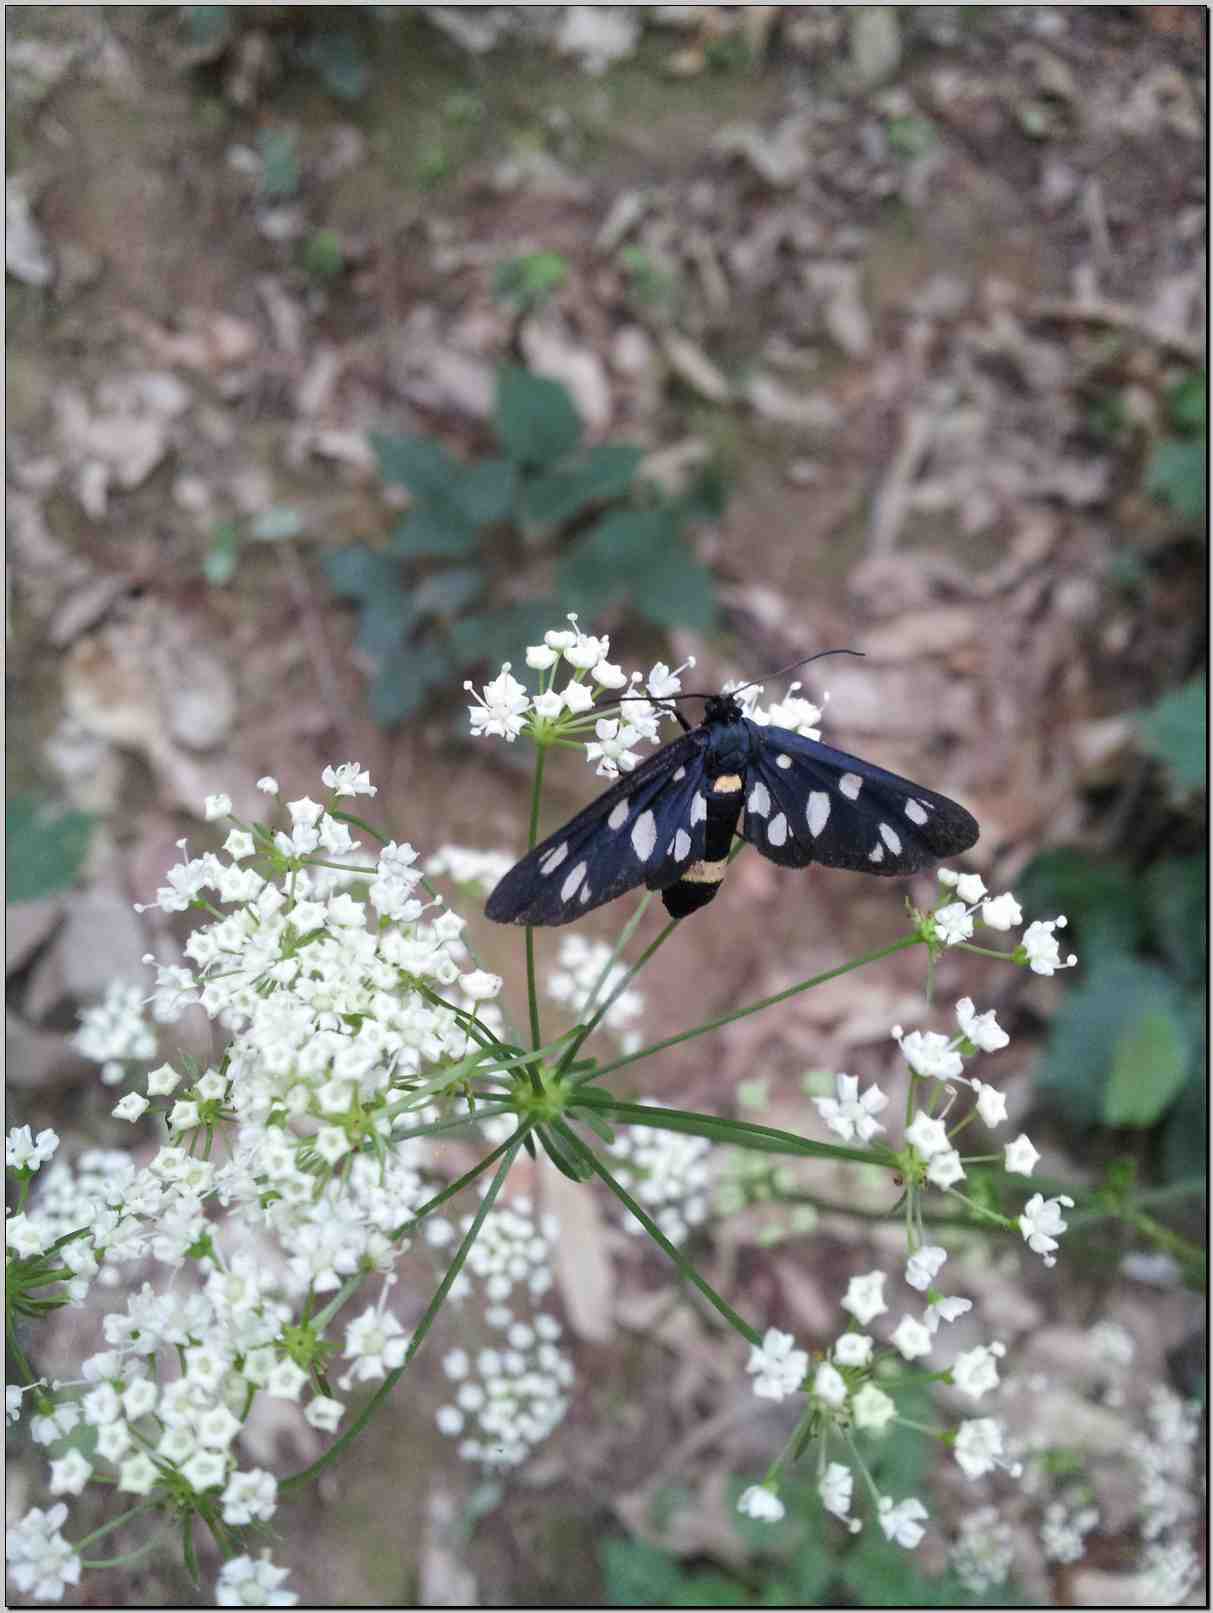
639,556
710,1590
1149,1066
384,622
279,164
418,463
637,1574
219,564
431,529
737,1133
1175,731
337,56
529,280
1185,1136
1174,892
405,678
605,473
535,418
361,573
276,523
445,593
1101,898
484,492
1091,1038
1176,475
1188,404
44,847
497,635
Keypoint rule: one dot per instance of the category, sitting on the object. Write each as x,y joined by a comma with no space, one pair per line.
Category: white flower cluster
347,1020
510,1396
467,866
114,1031
1169,1459
586,976
668,1171
506,708
845,1396
983,1551
953,922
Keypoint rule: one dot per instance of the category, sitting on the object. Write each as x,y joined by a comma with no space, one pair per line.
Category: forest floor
923,296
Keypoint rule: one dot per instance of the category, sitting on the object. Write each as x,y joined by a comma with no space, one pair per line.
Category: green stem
114,1523
733,1133
532,996
757,1007
605,1007
459,1184
714,1299
294,1480
127,1557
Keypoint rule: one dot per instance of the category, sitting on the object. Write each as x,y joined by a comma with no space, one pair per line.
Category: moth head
721,708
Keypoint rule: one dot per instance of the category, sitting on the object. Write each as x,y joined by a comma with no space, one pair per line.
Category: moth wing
809,803
627,837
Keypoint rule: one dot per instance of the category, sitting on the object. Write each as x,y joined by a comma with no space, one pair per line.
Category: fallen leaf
581,1259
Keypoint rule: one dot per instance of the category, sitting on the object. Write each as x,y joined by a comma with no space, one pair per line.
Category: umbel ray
669,824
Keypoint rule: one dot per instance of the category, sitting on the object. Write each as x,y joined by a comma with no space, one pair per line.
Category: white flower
480,986
609,677
872,1409
1041,949
991,1104
204,1470
268,785
760,1501
162,1081
777,1365
138,1474
25,1237
578,697
865,1297
662,684
836,1488
1019,1156
348,780
847,1114
22,1152
250,1495
217,806
924,1266
252,1582
979,1446
945,1169
548,705
1042,1225
829,1386
975,1371
953,923
970,888
902,1523
1001,912
983,1030
70,1474
949,1308
501,708
929,1136
41,1563
376,1343
541,656
852,1350
930,1054
948,877
912,1338
586,651
324,1413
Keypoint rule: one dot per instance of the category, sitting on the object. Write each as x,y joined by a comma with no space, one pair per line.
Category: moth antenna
795,666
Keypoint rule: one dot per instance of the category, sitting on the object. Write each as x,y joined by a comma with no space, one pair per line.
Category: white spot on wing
569,889
850,784
553,860
876,854
783,761
682,846
760,800
891,838
680,775
644,835
818,812
699,808
585,894
915,812
777,833
619,815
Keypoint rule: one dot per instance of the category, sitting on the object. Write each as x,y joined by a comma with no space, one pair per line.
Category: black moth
669,825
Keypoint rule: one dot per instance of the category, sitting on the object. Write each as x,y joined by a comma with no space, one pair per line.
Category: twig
1117,316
